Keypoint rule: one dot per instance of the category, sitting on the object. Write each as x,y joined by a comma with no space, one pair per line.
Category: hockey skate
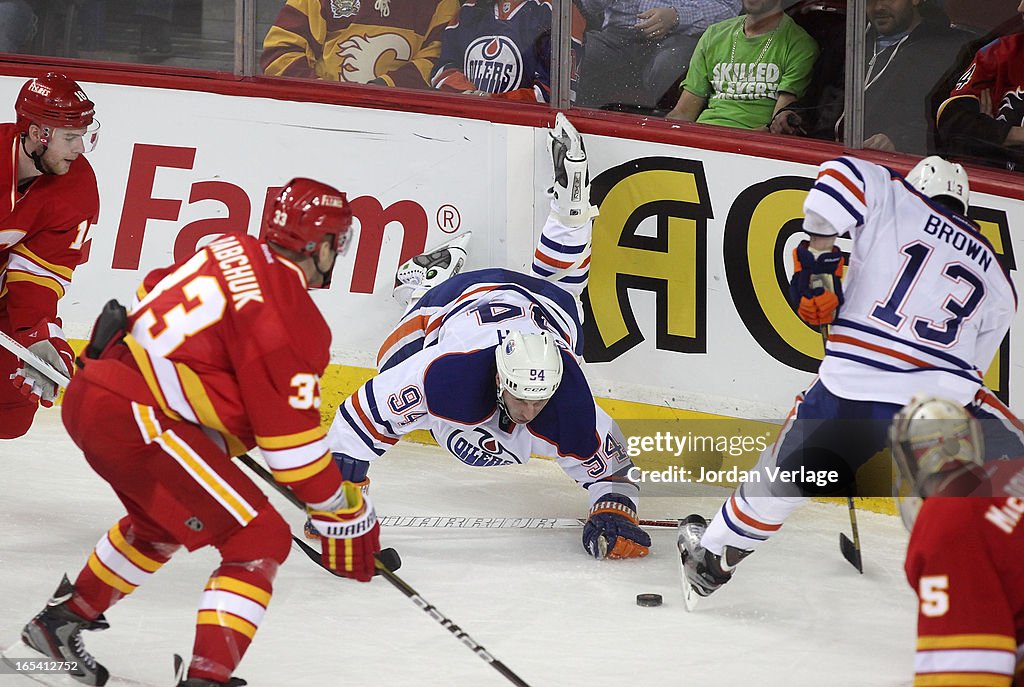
56,632
418,275
702,571
179,673
570,191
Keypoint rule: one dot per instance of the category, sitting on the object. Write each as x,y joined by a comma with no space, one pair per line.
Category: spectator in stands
638,49
16,19
983,119
155,27
502,49
909,60
746,69
383,43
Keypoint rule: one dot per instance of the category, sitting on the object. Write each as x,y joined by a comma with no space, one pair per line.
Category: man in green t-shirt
746,69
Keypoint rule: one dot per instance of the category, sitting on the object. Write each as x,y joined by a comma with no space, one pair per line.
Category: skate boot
418,275
56,632
703,571
570,191
179,674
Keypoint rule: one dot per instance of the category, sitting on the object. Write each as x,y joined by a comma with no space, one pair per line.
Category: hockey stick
33,360
493,523
391,577
850,549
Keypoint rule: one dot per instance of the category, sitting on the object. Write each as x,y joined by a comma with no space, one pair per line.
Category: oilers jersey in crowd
926,297
501,47
438,372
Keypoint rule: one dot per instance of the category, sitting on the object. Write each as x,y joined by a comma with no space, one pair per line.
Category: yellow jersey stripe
291,440
131,553
46,282
203,407
146,368
107,576
230,584
243,512
967,641
222,619
299,474
962,680
59,270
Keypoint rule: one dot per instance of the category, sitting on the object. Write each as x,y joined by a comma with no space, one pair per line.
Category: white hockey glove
571,189
34,383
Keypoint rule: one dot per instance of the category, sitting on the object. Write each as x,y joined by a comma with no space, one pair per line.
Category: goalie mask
942,180
937,450
304,213
529,366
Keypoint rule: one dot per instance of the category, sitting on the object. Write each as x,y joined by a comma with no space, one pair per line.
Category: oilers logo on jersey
494,64
479,448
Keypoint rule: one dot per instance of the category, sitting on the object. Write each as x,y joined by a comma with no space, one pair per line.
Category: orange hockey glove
613,531
816,290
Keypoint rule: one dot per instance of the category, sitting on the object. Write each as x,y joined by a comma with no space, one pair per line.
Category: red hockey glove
613,531
349,536
45,340
816,290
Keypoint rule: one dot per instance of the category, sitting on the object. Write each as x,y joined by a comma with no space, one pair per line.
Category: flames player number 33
161,331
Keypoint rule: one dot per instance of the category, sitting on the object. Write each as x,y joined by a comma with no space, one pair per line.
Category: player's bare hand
658,22
880,142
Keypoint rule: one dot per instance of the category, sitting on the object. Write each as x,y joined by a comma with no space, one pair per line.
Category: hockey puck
648,599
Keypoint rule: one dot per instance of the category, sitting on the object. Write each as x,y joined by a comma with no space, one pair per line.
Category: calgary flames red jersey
966,562
42,232
230,339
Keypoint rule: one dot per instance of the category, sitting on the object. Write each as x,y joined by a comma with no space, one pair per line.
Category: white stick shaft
487,522
32,360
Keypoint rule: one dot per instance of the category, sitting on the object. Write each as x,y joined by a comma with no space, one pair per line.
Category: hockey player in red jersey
219,354
965,559
48,203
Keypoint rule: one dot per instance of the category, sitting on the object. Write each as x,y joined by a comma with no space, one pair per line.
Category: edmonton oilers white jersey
438,372
927,300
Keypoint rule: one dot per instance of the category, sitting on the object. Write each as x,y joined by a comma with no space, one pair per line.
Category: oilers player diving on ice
488,362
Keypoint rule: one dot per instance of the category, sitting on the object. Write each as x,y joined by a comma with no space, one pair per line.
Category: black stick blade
851,552
390,559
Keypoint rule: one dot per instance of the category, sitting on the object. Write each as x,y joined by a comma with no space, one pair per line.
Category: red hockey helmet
53,101
304,213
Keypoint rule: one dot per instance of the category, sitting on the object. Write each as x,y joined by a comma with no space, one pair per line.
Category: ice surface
796,614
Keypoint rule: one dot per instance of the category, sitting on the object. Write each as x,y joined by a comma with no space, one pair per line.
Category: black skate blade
851,553
11,655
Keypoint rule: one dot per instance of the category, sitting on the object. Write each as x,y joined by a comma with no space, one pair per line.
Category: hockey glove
816,290
612,531
353,470
571,190
349,536
45,340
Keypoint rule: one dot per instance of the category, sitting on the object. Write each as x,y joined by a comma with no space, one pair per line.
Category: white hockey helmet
937,449
529,366
939,178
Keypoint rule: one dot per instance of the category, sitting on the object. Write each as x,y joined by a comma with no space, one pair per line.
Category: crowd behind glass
939,76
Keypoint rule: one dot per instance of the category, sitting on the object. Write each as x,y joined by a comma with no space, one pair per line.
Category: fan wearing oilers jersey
489,362
923,309
503,49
